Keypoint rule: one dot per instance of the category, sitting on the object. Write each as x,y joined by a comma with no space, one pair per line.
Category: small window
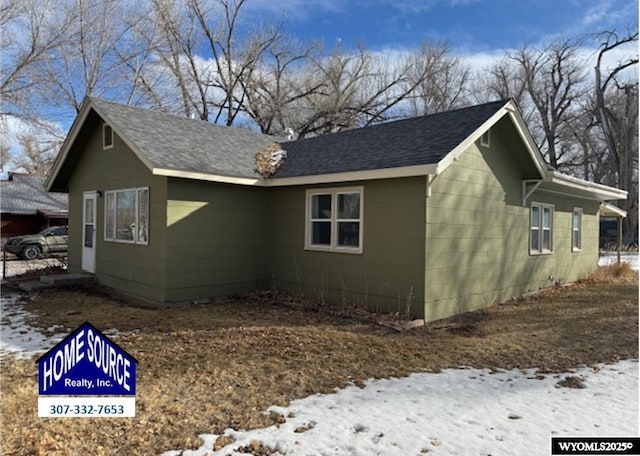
107,137
334,220
126,216
541,228
576,232
485,139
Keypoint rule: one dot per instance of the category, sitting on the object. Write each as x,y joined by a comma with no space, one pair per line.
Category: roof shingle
24,194
178,143
415,141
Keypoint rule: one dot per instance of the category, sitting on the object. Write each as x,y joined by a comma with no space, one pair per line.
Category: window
485,139
126,216
541,228
334,220
107,137
576,232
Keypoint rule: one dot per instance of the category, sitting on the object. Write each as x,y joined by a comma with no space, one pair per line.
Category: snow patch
17,337
612,258
453,412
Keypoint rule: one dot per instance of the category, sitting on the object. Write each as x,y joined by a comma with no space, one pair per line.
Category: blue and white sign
88,363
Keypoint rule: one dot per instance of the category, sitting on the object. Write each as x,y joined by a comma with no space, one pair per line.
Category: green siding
136,269
217,239
462,245
388,273
477,251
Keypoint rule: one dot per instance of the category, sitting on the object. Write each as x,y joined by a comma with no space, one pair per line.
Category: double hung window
334,219
541,228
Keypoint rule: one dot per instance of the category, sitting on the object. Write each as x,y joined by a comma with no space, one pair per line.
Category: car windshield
48,231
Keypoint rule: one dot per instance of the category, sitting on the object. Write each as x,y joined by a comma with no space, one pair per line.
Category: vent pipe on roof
289,133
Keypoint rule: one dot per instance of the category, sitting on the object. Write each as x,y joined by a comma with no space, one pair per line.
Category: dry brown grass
204,368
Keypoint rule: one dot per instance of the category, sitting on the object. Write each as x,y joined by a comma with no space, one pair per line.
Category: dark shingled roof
183,144
24,194
415,141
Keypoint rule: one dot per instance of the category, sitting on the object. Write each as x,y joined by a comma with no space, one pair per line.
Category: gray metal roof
178,143
415,141
24,194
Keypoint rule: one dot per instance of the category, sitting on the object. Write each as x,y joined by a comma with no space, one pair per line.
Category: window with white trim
334,219
126,216
541,228
576,230
107,136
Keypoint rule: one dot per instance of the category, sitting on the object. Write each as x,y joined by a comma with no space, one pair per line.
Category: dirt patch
571,381
206,367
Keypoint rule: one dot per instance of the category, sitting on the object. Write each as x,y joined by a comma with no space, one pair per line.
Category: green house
433,215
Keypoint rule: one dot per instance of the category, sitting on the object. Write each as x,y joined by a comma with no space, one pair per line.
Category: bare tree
36,156
438,81
31,30
280,80
173,34
617,110
92,58
315,94
234,58
502,80
553,79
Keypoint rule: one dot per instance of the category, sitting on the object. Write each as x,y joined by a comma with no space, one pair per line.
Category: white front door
89,202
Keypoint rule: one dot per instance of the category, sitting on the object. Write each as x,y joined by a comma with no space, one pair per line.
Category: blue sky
470,26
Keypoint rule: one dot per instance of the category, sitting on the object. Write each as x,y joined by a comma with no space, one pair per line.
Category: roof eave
386,173
610,210
68,142
599,191
87,106
510,109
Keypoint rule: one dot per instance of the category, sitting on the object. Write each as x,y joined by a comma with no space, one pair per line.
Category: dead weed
204,368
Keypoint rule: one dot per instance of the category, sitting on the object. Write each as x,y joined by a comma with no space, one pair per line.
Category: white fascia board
208,177
386,173
611,210
525,134
521,127
126,140
603,192
460,148
78,123
68,141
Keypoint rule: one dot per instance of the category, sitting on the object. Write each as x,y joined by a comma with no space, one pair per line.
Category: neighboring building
26,207
437,215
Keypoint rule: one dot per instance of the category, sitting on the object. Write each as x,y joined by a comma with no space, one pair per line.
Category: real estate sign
86,375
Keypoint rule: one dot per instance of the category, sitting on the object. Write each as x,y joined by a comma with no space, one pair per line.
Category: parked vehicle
48,242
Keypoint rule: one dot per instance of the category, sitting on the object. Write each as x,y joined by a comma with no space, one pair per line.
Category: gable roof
168,142
26,194
179,147
424,140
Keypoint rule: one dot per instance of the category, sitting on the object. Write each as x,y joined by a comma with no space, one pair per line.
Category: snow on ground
23,341
19,339
612,257
457,411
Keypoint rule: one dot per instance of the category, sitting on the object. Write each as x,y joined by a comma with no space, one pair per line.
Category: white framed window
485,139
541,228
576,230
334,219
126,216
107,136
